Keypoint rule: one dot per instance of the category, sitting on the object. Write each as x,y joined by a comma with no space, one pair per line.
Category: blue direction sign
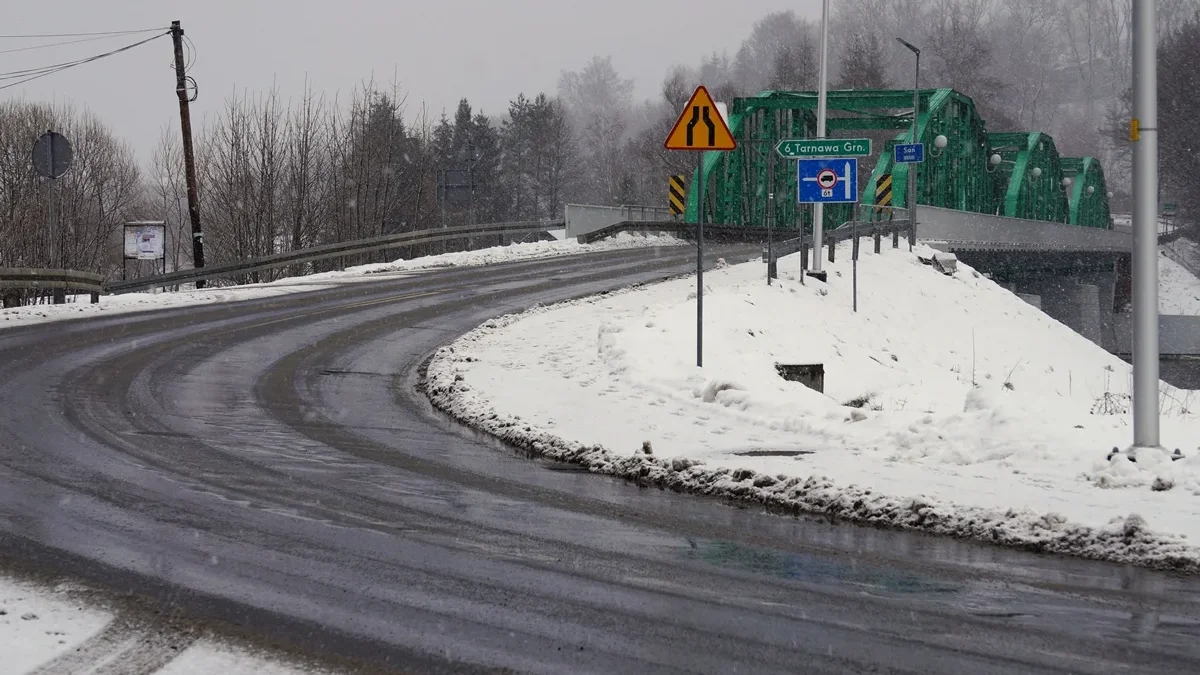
910,153
827,180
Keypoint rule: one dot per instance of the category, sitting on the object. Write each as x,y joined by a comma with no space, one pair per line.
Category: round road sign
826,178
52,155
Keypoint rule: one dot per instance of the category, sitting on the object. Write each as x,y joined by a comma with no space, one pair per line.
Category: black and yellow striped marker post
883,202
677,194
883,194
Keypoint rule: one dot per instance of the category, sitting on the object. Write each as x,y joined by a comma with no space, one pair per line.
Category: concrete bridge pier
1035,300
1083,302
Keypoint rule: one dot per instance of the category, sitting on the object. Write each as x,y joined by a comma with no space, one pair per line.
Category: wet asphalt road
270,466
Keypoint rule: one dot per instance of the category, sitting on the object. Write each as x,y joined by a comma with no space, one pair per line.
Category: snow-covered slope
949,405
1178,285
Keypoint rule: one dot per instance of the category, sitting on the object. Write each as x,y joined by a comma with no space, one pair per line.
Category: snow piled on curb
527,251
1121,540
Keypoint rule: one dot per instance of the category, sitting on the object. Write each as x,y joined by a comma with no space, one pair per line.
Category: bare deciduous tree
101,191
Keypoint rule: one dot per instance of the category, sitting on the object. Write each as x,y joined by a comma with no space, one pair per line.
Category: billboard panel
145,241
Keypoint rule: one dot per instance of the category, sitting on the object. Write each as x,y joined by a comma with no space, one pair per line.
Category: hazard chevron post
677,194
883,194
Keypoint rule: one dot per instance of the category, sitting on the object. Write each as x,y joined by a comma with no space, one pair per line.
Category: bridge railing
851,231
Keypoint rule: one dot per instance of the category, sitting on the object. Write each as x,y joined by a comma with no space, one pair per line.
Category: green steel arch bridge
1016,175
1007,203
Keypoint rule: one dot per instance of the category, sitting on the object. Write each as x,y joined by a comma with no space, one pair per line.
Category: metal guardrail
59,281
714,232
843,232
326,251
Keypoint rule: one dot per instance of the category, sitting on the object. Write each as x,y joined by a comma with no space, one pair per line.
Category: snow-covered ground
135,302
949,405
55,630
1178,288
1178,285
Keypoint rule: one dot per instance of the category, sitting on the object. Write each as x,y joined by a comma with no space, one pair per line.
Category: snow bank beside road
950,405
46,629
36,626
530,251
141,302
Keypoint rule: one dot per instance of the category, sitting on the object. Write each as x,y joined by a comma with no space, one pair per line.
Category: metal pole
854,264
912,181
770,217
53,230
1144,134
912,168
819,208
700,260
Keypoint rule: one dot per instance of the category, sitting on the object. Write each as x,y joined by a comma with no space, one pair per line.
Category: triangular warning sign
700,126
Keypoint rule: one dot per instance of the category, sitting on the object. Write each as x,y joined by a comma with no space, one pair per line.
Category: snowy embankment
56,630
949,405
140,302
1178,285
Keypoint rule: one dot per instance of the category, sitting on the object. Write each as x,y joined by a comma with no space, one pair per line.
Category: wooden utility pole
189,155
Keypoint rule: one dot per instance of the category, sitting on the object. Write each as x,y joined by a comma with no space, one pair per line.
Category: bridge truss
1013,174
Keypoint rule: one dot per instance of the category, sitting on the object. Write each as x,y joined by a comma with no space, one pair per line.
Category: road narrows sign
700,126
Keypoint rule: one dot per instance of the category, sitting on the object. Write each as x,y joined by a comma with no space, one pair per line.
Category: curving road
269,467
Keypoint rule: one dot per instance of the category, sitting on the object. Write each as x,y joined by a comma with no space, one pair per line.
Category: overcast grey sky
441,51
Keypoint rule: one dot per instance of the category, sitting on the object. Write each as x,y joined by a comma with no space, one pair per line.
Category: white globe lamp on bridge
940,142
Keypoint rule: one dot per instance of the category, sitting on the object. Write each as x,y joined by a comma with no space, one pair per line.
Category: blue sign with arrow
827,181
909,153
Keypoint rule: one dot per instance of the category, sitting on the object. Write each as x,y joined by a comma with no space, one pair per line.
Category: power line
56,44
67,64
34,36
35,73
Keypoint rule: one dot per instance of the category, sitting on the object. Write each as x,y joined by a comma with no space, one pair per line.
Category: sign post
911,154
822,103
52,155
1144,136
700,127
